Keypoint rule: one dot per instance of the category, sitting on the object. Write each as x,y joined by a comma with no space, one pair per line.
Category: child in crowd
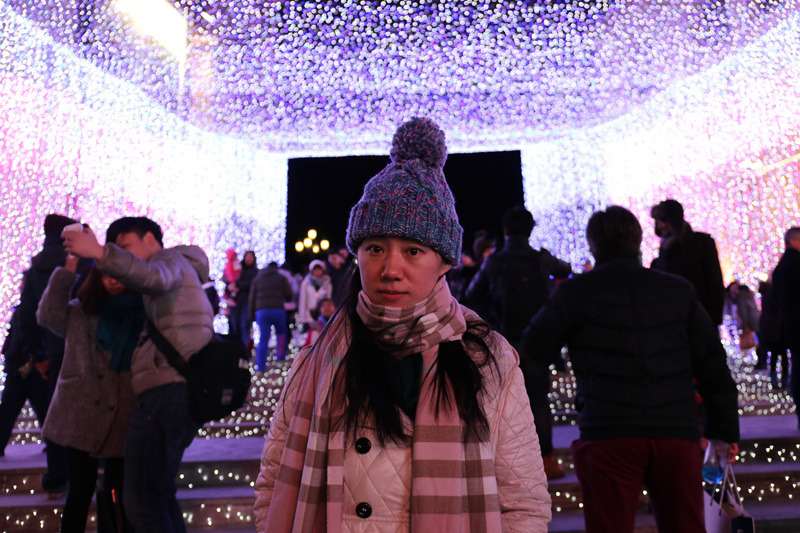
324,312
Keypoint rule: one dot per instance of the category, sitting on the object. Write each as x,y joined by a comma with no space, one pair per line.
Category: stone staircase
220,467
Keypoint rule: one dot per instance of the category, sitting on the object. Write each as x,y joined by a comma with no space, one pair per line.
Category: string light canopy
607,102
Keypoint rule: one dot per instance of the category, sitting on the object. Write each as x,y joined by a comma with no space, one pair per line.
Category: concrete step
204,509
770,517
217,476
230,509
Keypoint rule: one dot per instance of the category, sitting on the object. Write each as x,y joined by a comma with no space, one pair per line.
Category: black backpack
218,376
520,291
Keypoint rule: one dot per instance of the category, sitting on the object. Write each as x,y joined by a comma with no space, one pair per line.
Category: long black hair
366,380
92,293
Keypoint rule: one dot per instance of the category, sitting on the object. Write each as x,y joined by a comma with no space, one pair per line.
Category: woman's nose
392,266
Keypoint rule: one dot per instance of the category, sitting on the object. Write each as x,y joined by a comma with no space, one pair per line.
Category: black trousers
537,385
33,388
83,470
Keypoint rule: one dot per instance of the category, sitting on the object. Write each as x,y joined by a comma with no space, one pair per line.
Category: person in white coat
315,286
408,413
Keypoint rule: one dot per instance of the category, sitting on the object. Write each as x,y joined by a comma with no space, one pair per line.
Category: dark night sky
322,191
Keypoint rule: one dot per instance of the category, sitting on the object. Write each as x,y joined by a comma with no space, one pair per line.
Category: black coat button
363,510
363,445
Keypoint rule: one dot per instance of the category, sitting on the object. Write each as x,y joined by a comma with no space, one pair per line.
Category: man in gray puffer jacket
171,282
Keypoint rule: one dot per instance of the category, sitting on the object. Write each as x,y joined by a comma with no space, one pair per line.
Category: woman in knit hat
408,413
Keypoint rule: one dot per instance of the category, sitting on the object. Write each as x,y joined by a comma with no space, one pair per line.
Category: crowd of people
419,400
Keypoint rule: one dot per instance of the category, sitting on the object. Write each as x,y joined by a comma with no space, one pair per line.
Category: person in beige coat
93,400
408,413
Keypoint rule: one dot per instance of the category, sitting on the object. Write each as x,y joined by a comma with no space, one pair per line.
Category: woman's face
249,259
113,286
398,272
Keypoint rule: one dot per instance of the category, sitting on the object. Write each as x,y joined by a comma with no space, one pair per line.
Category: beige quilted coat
381,477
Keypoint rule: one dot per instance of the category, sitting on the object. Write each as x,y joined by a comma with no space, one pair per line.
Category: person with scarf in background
408,413
315,287
93,400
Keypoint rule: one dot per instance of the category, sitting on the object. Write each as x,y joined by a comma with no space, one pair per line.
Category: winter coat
14,357
769,322
36,341
486,295
746,309
786,289
310,296
92,404
693,256
637,338
270,290
171,284
381,476
244,283
295,285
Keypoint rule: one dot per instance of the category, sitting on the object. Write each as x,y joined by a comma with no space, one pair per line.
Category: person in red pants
638,340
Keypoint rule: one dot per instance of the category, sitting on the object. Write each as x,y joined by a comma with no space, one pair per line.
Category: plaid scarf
454,488
415,329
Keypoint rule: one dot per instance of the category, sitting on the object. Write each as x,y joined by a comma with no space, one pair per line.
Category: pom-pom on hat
410,197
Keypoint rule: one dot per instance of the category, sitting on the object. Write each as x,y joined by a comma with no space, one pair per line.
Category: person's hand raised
83,244
72,263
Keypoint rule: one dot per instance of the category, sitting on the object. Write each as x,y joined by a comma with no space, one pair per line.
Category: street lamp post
309,243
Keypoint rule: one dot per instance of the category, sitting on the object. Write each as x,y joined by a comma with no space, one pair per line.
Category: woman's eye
374,249
414,251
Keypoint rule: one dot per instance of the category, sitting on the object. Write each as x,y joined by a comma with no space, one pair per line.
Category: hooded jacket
171,284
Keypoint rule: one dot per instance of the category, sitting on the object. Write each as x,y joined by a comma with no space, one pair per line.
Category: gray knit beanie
410,197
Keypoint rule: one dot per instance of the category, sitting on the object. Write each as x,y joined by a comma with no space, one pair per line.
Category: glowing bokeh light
607,102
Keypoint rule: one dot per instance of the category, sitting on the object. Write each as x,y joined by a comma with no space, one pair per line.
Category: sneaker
552,469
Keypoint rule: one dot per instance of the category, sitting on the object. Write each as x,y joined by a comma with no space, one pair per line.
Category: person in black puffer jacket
637,339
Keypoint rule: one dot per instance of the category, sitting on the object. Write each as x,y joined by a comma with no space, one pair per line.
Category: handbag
218,376
724,512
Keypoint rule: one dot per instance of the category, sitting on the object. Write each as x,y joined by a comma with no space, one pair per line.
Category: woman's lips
392,295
